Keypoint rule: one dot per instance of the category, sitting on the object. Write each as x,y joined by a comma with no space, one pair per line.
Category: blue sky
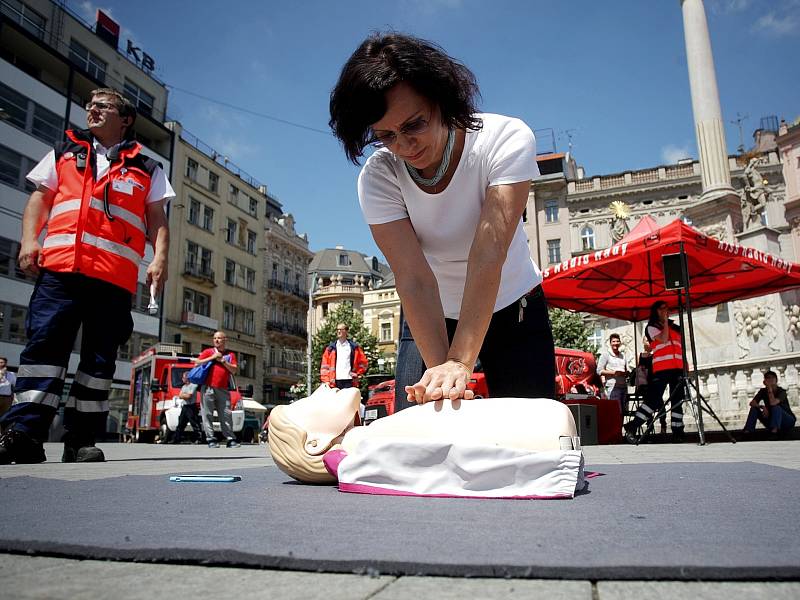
610,74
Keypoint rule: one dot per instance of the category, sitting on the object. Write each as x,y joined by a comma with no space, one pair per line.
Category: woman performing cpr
444,196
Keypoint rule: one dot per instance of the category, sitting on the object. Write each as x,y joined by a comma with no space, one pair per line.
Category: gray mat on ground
646,521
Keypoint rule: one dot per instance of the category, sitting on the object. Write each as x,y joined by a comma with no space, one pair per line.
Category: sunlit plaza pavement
70,575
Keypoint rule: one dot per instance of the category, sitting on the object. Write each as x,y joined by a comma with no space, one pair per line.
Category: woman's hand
448,380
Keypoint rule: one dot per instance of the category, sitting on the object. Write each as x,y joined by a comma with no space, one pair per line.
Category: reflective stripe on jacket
81,236
358,362
669,354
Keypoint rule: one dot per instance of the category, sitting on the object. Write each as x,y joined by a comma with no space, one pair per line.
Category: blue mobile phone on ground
205,478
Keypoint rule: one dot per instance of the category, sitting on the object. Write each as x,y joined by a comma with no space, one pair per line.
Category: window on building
233,194
596,338
191,169
12,323
87,60
13,168
230,231
324,309
15,106
274,271
247,365
24,15
344,260
251,242
238,318
141,100
192,255
205,261
230,272
551,211
194,211
286,276
46,125
213,182
553,251
386,332
587,238
197,303
249,279
254,207
208,218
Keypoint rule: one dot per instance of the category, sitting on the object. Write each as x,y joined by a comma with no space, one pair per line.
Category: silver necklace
437,177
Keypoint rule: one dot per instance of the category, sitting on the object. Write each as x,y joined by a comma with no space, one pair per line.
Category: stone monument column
718,209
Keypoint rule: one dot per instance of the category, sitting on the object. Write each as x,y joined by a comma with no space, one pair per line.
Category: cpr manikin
493,447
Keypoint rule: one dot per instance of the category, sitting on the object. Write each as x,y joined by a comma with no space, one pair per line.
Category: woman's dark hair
382,61
654,311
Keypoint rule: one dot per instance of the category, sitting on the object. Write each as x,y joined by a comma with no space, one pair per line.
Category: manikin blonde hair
287,444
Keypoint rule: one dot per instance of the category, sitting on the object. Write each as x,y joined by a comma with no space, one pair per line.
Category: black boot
20,448
81,449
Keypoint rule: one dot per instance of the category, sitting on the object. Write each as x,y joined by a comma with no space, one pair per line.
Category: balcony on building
287,328
199,272
191,319
287,289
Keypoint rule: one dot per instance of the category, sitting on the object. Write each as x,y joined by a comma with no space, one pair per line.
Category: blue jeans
778,419
517,356
61,304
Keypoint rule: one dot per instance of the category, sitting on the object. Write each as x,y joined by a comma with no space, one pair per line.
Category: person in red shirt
216,390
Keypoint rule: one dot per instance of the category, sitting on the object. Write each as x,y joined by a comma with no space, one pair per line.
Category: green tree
357,331
569,330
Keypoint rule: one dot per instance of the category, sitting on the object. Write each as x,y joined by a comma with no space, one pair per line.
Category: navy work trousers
61,304
517,355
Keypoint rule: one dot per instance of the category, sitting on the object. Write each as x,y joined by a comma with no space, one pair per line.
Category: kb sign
142,58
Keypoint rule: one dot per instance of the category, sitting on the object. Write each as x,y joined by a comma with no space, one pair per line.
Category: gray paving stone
676,590
101,580
442,588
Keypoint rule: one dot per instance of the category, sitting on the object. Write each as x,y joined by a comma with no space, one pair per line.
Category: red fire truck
156,381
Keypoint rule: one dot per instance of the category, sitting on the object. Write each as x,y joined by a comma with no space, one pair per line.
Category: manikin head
302,432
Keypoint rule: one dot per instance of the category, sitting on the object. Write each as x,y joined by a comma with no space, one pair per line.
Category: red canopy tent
624,280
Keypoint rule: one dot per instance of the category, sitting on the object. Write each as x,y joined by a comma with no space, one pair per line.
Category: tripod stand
683,389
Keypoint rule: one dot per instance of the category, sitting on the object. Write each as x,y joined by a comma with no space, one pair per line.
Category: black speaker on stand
675,271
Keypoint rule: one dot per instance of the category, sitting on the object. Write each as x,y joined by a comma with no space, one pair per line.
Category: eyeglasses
388,138
99,106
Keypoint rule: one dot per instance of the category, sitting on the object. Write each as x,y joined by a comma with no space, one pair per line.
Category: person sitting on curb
775,414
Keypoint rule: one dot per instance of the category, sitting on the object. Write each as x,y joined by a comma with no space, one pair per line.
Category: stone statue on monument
754,194
619,224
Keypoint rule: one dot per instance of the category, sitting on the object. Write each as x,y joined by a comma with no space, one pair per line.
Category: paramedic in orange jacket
343,361
667,350
100,200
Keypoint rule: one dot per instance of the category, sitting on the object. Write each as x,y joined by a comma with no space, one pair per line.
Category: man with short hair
775,414
101,200
216,390
343,361
613,366
189,410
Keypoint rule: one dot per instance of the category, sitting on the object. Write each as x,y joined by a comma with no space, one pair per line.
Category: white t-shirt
502,152
45,174
343,360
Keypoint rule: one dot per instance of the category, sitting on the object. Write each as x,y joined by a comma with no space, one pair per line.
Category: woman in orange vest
664,337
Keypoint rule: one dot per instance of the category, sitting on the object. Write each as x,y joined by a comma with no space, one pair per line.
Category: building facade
381,309
569,215
285,309
339,276
50,61
217,282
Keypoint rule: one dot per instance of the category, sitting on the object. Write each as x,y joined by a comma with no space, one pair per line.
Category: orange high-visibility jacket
358,362
669,354
97,227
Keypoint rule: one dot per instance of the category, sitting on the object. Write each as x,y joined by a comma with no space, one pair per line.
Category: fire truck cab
154,404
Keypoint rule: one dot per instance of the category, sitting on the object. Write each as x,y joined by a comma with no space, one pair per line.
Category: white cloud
730,6
773,24
671,153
